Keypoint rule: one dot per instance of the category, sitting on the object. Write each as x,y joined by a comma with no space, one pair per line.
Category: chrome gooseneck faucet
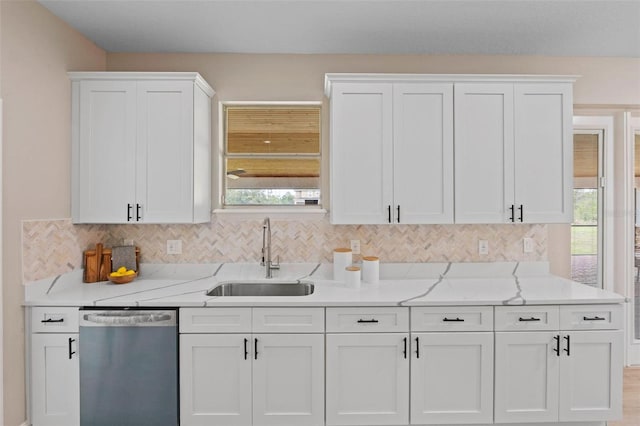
266,249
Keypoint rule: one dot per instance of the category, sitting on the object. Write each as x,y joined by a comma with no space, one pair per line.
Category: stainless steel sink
262,288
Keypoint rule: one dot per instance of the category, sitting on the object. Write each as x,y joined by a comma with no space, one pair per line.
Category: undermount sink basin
262,288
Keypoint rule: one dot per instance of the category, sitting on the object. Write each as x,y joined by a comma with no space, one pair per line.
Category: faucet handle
276,265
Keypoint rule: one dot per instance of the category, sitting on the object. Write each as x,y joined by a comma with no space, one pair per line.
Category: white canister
370,269
352,276
342,258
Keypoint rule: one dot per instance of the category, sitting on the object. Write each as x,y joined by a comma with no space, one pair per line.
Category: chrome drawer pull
371,321
596,318
456,319
528,319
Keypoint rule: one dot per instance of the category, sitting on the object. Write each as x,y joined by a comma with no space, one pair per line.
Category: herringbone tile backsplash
53,247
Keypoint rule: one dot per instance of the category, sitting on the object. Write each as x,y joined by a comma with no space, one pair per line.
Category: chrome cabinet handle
528,319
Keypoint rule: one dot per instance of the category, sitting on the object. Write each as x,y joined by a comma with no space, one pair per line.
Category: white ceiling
491,27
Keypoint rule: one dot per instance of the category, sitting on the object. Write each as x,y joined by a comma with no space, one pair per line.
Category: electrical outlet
174,246
127,242
527,245
355,246
483,247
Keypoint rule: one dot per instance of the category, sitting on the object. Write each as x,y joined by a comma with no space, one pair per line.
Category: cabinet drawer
364,320
511,318
216,320
591,317
54,319
453,318
288,320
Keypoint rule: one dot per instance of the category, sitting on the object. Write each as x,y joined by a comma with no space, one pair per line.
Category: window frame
221,156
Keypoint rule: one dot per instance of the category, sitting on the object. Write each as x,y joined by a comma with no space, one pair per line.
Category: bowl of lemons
122,275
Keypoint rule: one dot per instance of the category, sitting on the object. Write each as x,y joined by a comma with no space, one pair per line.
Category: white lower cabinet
559,375
55,367
452,378
367,372
452,365
244,379
526,377
55,380
591,376
288,380
215,380
367,379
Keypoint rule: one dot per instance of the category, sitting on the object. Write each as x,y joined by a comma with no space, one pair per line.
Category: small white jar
342,257
352,276
370,269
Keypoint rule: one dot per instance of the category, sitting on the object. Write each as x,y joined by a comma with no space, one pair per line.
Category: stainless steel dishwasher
128,367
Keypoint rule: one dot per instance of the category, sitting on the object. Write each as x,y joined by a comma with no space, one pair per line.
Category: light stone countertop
401,284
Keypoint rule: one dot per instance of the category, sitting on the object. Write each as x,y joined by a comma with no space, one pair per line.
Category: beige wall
37,51
603,81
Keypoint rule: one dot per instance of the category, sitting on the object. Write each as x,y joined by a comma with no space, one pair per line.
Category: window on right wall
272,155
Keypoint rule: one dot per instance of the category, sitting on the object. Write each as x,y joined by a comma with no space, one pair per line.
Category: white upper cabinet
543,156
423,152
483,152
361,153
141,145
391,153
513,158
420,149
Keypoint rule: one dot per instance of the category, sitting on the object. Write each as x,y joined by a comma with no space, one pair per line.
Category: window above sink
271,155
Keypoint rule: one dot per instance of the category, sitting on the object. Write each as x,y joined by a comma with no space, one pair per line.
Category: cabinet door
361,153
452,378
103,153
367,379
288,380
543,152
55,380
526,377
591,376
164,170
423,153
215,380
483,152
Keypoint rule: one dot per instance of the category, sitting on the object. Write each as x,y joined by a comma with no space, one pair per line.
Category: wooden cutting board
97,264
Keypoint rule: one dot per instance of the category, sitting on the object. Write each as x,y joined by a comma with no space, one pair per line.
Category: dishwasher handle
127,318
